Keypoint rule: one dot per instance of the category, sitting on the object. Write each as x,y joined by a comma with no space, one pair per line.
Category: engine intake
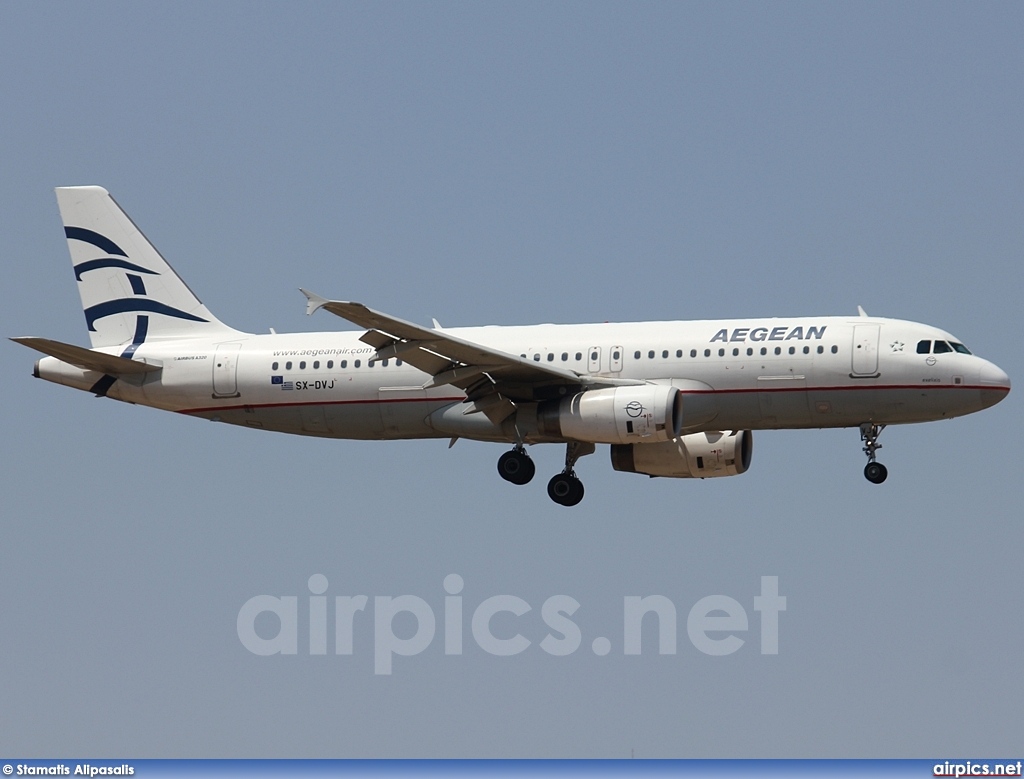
694,456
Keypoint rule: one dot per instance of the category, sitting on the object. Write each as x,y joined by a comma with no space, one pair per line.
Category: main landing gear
565,488
516,466
874,472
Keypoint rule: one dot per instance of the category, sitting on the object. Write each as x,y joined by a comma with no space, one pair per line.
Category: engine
619,415
694,456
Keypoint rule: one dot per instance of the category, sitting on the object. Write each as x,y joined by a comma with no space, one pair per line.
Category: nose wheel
874,471
516,466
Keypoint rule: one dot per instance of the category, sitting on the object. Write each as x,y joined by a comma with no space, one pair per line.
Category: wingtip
313,301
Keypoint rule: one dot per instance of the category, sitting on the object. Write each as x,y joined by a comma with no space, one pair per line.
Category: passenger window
344,363
398,363
764,350
750,352
735,352
924,347
693,352
302,365
650,354
807,350
565,357
721,352
778,350
551,356
579,356
664,354
536,358
707,352
384,363
835,349
821,350
355,364
316,364
636,355
679,352
370,363
792,350
330,364
593,356
941,347
273,367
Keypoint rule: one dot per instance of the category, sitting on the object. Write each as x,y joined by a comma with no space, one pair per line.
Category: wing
487,375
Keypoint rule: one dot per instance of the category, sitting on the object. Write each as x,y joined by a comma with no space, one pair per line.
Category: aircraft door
865,350
594,359
225,371
615,359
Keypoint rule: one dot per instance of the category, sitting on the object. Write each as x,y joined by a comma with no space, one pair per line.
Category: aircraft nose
995,384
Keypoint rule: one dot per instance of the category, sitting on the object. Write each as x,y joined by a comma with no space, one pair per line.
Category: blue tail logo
118,258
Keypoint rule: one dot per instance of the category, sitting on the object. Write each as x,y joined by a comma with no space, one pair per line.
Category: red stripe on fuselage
362,401
737,391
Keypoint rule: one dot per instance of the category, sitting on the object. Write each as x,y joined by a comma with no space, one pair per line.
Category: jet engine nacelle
618,415
694,456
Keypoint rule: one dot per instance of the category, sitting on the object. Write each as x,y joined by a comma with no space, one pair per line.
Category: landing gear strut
516,466
874,472
565,488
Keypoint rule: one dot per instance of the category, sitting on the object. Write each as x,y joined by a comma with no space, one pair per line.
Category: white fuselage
734,375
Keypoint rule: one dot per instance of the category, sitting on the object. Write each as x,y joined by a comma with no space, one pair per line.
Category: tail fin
129,292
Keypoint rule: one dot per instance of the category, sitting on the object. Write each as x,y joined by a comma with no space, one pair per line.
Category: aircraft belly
360,421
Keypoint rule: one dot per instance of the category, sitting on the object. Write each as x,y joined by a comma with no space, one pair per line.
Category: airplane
672,399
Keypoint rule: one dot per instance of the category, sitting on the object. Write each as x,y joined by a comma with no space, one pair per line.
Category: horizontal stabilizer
86,358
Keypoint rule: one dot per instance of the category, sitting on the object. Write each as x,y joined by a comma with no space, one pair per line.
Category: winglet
861,311
313,301
437,325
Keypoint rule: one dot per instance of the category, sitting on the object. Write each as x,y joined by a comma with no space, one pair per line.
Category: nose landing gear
874,472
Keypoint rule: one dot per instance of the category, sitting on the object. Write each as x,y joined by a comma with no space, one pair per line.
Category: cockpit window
959,347
924,347
941,347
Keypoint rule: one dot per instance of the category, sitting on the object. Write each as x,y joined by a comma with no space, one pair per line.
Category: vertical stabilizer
129,292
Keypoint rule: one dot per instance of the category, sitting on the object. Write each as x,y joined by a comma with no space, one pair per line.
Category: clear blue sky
527,162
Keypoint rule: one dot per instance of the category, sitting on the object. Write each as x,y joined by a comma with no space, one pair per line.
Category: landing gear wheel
516,466
875,472
565,489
